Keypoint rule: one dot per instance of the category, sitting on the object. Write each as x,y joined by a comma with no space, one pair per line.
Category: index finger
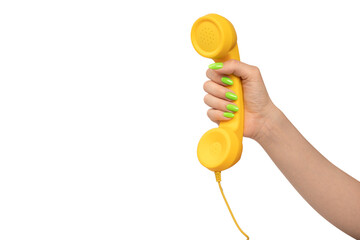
221,79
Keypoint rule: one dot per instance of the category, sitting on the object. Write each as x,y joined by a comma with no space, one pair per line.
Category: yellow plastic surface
213,36
218,179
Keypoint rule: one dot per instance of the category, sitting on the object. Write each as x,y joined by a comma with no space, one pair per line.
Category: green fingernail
232,108
217,65
227,81
231,96
228,115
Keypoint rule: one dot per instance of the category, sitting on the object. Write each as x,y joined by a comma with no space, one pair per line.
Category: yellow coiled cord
218,179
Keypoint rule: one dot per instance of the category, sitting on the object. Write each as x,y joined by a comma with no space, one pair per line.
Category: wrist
273,120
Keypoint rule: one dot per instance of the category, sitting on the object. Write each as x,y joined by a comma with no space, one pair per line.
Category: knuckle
206,85
255,69
208,73
233,63
210,86
206,98
209,113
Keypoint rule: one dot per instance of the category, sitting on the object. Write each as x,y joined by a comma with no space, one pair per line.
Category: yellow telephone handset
213,36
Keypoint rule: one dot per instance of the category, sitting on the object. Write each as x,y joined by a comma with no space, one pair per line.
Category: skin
331,192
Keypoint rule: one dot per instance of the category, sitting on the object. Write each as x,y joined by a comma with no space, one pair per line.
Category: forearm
330,191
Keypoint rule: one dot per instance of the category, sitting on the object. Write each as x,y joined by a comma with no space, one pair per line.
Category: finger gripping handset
213,36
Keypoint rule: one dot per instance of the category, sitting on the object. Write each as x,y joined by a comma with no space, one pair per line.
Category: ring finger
220,104
219,91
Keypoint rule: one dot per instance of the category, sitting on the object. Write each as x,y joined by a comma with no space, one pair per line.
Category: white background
101,111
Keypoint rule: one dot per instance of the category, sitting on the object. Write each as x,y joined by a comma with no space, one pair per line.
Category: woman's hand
330,191
257,103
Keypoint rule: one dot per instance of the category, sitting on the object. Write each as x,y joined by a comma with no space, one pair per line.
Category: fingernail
227,81
232,108
228,115
231,96
217,65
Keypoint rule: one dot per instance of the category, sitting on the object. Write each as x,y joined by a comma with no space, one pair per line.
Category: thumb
235,67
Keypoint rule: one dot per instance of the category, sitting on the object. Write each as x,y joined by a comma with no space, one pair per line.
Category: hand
257,103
